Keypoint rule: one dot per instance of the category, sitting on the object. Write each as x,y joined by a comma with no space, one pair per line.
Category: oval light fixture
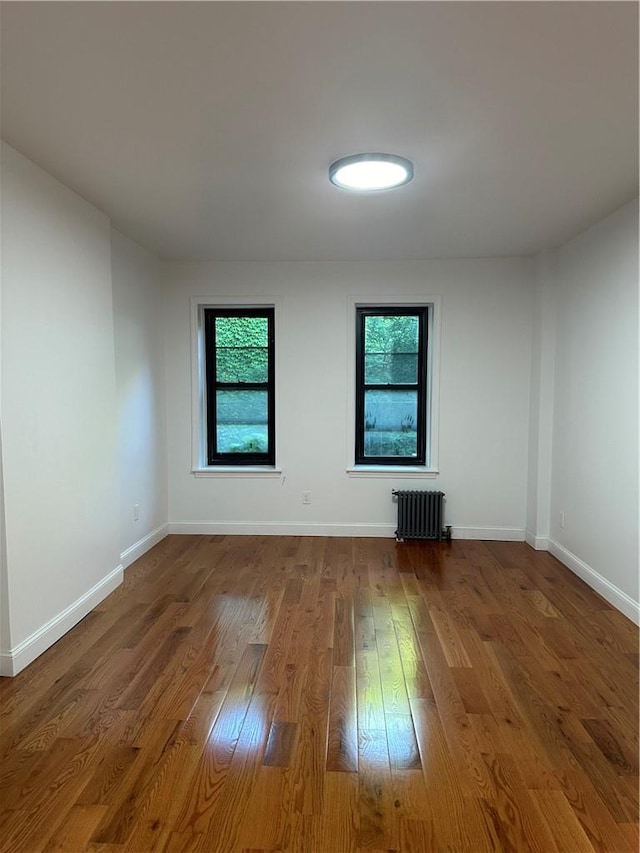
370,172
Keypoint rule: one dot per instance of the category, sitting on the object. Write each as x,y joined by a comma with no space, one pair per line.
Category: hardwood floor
329,696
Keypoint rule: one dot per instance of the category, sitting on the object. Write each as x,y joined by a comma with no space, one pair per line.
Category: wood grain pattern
326,695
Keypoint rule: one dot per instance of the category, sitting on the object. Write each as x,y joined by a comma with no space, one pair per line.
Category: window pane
242,421
241,349
391,350
390,419
241,331
242,364
391,368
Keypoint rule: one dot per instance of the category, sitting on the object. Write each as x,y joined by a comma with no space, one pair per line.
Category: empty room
319,427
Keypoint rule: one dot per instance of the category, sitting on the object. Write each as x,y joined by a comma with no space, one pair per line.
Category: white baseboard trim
495,534
300,528
277,528
620,600
135,551
538,543
15,660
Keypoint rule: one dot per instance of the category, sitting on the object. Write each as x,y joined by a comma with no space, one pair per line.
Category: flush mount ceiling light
370,172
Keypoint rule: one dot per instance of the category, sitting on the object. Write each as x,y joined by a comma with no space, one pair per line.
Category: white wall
58,407
484,396
141,424
595,411
5,630
541,408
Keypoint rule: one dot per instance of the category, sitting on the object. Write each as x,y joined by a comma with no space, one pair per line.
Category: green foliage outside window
241,332
391,350
241,349
386,334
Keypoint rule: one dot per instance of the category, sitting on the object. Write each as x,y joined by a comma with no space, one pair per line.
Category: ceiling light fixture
370,172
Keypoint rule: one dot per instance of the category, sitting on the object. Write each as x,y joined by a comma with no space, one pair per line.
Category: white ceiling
205,130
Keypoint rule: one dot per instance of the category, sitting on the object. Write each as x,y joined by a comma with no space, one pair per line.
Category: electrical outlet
136,512
561,519
306,497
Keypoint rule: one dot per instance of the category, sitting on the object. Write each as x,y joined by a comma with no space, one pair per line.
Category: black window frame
421,386
212,386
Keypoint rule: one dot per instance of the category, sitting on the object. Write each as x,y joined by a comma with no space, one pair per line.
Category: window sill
395,471
253,471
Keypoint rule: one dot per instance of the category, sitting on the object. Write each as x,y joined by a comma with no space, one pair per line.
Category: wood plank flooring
326,695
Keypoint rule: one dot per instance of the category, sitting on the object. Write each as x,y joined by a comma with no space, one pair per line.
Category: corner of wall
140,389
5,614
542,397
593,503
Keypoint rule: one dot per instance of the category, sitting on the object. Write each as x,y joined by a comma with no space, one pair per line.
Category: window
240,387
391,385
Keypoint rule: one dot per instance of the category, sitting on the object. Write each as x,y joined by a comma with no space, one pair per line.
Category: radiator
421,515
